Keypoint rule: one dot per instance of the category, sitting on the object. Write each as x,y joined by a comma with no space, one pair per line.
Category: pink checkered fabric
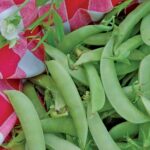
21,61
7,116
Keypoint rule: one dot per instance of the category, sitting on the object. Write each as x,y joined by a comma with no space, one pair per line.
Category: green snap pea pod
17,141
29,119
18,147
124,50
99,132
129,92
145,30
122,68
131,20
135,30
72,98
115,95
57,143
144,76
107,106
97,94
95,55
29,91
90,56
137,55
145,49
124,146
144,135
134,79
76,37
49,125
59,125
47,82
116,11
130,146
127,78
124,130
98,39
56,54
48,99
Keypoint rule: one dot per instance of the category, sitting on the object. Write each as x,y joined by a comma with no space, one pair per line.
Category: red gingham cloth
20,62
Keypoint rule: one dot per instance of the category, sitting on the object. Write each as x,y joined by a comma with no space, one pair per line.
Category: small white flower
8,30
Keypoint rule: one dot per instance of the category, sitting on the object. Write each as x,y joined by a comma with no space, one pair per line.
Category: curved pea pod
29,119
18,147
113,90
99,132
133,145
144,135
57,143
76,37
72,98
124,130
136,55
56,54
90,56
98,39
144,76
146,103
130,92
97,94
29,91
145,30
124,50
131,20
58,125
115,11
123,69
145,49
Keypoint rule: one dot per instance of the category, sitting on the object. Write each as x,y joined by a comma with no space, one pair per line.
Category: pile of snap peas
95,93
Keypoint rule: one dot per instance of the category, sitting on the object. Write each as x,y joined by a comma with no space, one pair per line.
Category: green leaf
58,3
41,41
59,27
51,37
41,2
39,20
3,41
